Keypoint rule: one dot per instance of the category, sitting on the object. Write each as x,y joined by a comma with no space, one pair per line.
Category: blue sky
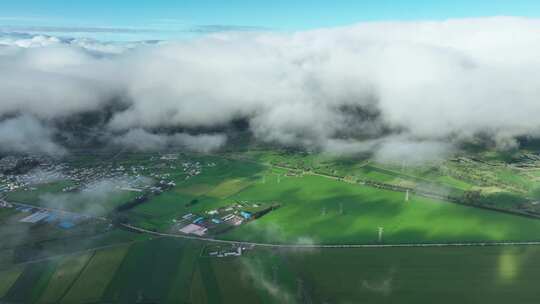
175,18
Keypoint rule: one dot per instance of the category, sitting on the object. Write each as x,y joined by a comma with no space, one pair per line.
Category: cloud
411,152
216,28
95,198
25,134
141,140
417,88
254,270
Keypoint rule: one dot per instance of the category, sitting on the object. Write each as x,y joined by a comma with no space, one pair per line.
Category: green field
172,271
228,188
322,210
32,196
318,209
321,201
95,278
411,275
146,272
8,278
211,189
67,271
31,283
51,196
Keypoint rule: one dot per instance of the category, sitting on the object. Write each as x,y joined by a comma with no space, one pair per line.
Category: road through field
315,246
284,246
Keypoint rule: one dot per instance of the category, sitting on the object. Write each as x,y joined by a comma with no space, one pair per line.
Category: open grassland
322,210
228,188
362,168
165,204
476,169
319,209
454,182
194,189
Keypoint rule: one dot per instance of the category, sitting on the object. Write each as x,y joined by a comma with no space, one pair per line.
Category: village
24,173
220,220
226,250
32,175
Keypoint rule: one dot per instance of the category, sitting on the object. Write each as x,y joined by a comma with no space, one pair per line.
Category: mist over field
402,90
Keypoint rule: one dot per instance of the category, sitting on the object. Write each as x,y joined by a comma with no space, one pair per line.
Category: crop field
329,205
66,272
412,275
157,270
146,272
8,278
93,281
36,276
172,271
181,282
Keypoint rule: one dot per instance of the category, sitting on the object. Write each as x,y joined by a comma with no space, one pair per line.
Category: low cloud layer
27,135
394,88
96,198
141,140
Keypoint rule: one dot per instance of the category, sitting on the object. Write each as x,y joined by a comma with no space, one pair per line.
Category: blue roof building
66,225
245,215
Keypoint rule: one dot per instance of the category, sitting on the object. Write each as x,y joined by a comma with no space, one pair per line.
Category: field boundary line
315,246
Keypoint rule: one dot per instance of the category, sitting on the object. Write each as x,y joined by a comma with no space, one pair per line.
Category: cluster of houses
11,177
191,169
234,251
48,170
199,225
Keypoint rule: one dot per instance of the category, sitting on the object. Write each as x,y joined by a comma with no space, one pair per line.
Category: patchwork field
31,283
95,278
319,209
8,278
315,207
172,271
67,271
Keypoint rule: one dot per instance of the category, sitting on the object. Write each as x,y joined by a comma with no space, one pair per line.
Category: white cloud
141,140
25,134
432,81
